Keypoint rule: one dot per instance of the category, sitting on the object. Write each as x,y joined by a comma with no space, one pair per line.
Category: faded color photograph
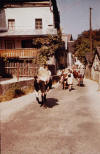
49,77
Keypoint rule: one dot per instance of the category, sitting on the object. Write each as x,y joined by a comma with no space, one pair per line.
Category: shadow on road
73,88
51,102
82,85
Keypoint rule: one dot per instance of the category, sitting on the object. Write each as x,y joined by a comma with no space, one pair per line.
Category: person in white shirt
70,80
43,80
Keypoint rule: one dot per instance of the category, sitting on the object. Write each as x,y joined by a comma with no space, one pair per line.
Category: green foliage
82,44
48,46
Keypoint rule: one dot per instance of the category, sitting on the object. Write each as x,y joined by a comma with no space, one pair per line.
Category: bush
18,93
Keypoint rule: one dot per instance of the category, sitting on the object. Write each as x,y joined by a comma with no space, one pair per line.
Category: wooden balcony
19,53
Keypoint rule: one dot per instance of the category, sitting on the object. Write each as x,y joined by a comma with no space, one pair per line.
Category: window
11,24
38,23
27,44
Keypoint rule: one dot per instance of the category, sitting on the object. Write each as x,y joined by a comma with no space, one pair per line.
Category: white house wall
25,17
65,39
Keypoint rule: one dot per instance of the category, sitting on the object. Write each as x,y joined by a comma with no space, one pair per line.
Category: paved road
70,124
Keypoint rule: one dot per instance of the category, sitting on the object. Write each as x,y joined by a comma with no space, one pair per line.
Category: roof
28,32
98,52
4,2
89,57
69,37
24,3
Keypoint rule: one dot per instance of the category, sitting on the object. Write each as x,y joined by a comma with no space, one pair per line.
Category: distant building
65,39
95,70
68,39
69,46
70,43
93,65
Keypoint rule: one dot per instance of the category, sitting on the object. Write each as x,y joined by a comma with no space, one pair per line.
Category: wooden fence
20,68
19,62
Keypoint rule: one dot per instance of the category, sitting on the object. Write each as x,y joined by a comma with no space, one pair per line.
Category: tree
82,44
49,46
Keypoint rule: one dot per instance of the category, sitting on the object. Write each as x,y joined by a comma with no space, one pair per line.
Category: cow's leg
70,87
50,84
79,81
43,93
37,96
44,99
63,84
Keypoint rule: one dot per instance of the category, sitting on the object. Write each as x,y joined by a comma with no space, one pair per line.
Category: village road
70,124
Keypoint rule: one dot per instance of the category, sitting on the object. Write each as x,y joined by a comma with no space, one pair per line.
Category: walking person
49,78
70,80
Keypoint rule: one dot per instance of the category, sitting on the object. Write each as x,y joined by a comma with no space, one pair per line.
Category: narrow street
70,124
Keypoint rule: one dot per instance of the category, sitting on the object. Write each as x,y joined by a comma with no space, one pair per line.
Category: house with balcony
21,22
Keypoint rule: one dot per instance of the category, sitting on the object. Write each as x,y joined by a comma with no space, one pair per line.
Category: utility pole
91,30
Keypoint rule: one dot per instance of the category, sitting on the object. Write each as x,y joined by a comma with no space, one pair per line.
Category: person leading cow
41,84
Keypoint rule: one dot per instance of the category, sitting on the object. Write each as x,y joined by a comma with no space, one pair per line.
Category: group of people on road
43,81
68,74
66,78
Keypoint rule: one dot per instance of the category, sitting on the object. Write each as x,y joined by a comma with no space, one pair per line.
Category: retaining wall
22,84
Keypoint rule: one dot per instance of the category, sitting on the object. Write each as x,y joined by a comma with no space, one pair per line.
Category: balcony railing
18,53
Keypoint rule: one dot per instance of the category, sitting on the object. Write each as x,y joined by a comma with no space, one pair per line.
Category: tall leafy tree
82,44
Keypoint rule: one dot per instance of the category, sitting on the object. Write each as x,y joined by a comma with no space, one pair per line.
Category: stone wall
23,84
